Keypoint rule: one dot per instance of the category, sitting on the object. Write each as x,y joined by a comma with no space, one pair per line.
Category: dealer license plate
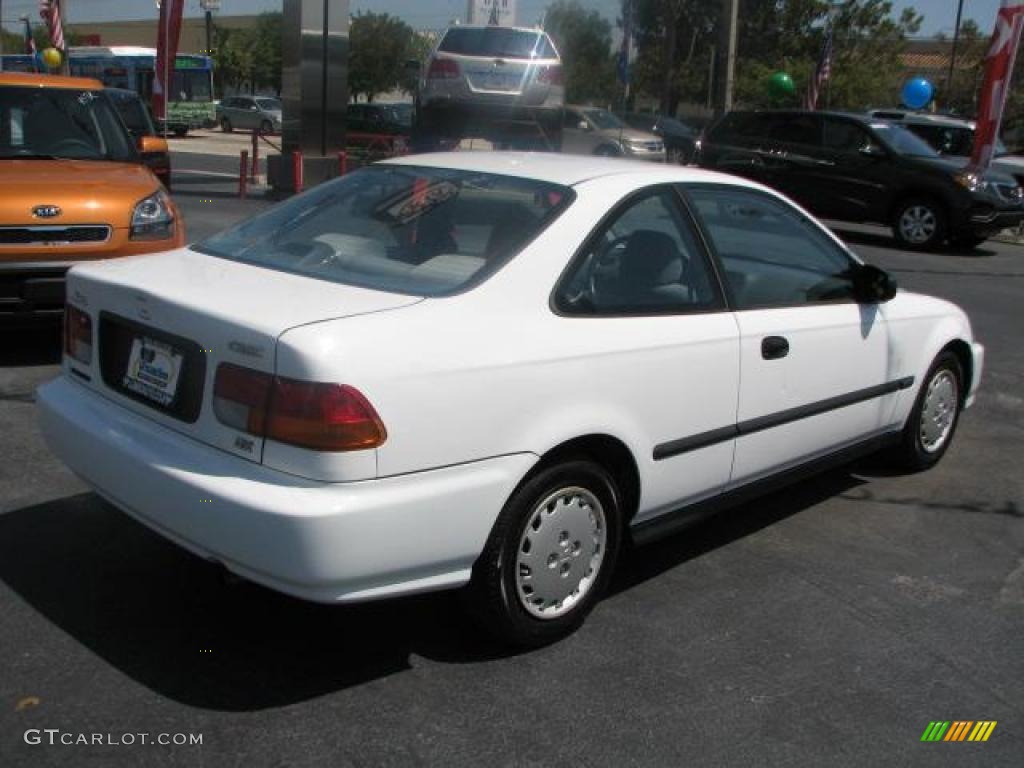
153,369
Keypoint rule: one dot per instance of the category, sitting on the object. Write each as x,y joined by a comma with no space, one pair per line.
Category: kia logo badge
46,211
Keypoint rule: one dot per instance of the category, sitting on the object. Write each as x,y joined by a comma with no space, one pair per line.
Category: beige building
143,33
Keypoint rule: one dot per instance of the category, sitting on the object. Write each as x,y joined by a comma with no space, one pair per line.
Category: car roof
922,119
554,168
30,79
491,26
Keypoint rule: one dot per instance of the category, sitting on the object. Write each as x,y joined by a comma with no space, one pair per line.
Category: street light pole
1,35
730,12
952,54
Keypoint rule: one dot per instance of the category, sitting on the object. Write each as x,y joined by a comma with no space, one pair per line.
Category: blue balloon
917,93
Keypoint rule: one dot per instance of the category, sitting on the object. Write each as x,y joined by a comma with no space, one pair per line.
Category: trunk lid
198,311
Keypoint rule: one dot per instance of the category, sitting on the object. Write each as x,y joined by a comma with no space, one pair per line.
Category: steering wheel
318,256
602,259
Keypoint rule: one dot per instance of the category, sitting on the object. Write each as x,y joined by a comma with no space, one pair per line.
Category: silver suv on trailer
500,83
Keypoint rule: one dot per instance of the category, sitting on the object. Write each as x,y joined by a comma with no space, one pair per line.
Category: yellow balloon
51,57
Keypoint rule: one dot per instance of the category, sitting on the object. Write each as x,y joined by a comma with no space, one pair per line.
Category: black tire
266,127
180,132
929,213
495,595
607,150
966,242
913,453
225,125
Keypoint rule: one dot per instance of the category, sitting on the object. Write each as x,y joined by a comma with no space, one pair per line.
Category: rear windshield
497,42
405,229
46,123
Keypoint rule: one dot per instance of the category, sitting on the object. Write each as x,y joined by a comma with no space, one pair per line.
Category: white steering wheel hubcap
560,552
938,413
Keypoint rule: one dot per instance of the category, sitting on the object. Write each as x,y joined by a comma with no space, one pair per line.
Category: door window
795,129
845,136
771,254
647,260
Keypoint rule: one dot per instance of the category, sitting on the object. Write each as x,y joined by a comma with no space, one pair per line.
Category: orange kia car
72,188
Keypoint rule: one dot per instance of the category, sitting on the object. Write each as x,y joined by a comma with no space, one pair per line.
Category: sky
939,15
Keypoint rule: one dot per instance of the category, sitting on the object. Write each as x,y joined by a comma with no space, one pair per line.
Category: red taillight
551,75
77,334
443,69
323,417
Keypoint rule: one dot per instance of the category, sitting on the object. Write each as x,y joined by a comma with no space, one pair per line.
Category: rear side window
795,129
741,125
497,42
405,229
645,260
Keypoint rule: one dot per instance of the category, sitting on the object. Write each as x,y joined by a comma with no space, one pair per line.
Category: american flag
821,73
30,43
49,10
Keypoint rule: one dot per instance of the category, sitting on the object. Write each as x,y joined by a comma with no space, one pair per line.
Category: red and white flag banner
49,10
999,62
168,33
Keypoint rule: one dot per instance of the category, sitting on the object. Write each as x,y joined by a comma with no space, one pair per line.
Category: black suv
862,169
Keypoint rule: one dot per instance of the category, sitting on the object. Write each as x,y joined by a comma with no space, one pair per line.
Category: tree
676,39
584,41
250,57
379,46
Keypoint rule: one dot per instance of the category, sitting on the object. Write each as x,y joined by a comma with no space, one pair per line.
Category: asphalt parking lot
824,625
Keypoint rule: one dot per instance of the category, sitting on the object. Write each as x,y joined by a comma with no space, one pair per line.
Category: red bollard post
243,172
342,162
297,170
255,155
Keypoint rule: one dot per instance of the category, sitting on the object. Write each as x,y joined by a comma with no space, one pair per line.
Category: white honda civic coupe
493,370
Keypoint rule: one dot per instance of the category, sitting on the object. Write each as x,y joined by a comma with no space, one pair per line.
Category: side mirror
872,285
149,144
872,150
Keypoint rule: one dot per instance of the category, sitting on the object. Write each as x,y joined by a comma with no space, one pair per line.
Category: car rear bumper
328,542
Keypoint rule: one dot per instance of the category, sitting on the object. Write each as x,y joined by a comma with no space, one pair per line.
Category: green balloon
780,85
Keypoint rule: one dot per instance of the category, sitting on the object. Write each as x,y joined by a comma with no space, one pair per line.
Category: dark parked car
139,122
862,169
379,127
953,137
678,137
392,119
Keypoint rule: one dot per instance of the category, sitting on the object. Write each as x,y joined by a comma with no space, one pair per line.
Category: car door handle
774,347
